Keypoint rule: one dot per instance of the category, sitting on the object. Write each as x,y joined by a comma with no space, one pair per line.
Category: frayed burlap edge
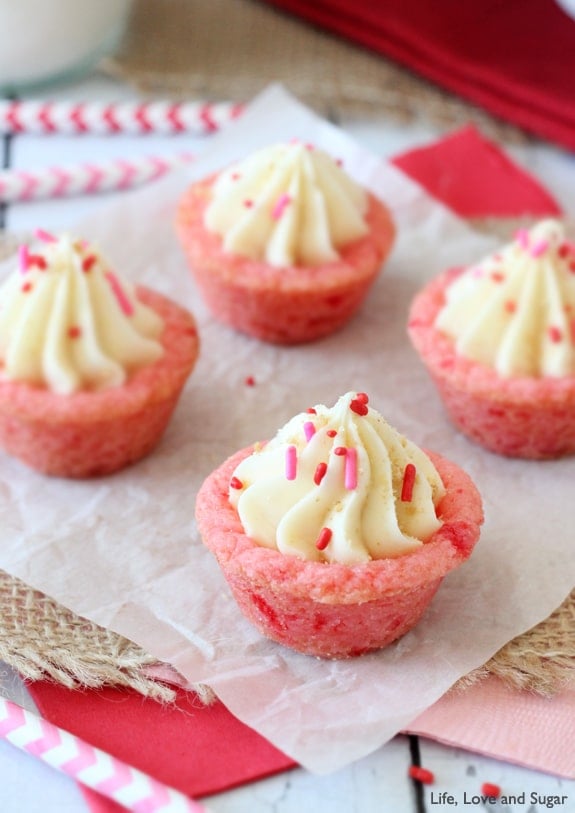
41,639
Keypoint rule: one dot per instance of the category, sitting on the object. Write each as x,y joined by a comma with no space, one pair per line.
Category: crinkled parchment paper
124,551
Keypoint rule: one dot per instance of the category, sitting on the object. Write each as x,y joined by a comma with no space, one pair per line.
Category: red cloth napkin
477,179
204,749
194,748
516,58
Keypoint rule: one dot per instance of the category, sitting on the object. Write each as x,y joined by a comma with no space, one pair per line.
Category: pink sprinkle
554,333
280,205
23,259
248,203
308,430
119,293
45,236
350,474
291,463
539,248
522,237
477,273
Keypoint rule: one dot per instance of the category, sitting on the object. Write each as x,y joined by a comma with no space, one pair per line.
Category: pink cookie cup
332,610
532,418
95,433
281,305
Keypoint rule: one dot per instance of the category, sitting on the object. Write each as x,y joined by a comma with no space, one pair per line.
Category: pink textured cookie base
281,305
332,610
94,433
532,418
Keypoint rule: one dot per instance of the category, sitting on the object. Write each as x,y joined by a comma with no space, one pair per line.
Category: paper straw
97,118
90,766
85,179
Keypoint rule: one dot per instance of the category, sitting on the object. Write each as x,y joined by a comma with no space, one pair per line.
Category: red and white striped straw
90,766
87,178
102,118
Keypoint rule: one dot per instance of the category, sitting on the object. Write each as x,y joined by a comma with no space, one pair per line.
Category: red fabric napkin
204,749
194,748
477,179
515,58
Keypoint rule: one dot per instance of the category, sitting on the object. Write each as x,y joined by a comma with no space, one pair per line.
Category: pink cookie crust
334,610
94,433
281,305
530,418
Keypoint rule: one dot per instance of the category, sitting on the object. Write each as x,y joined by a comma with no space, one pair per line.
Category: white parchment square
124,551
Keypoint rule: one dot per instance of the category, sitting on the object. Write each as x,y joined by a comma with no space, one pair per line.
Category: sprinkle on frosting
287,205
345,499
509,311
73,330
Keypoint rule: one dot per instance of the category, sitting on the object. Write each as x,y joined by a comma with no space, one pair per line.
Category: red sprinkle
554,333
38,261
248,204
319,474
497,276
491,790
323,539
421,774
74,332
250,381
359,407
331,433
311,411
408,483
340,451
88,262
563,250
363,397
510,306
235,482
572,268
26,287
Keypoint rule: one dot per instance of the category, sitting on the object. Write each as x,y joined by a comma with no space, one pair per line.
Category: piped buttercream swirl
338,485
515,310
69,323
288,205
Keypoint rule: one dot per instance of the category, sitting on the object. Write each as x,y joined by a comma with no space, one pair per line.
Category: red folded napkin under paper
516,59
204,749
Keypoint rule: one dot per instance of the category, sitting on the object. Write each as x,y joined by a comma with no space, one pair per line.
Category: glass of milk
46,41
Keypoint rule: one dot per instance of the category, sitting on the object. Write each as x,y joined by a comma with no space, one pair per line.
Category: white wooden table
380,782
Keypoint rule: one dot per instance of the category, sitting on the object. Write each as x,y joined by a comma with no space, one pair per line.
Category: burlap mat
40,638
229,50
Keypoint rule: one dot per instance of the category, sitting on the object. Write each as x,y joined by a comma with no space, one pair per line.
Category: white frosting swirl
68,323
288,205
515,310
333,485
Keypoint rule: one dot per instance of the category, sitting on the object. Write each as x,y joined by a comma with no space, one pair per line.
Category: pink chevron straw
102,118
86,179
90,766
